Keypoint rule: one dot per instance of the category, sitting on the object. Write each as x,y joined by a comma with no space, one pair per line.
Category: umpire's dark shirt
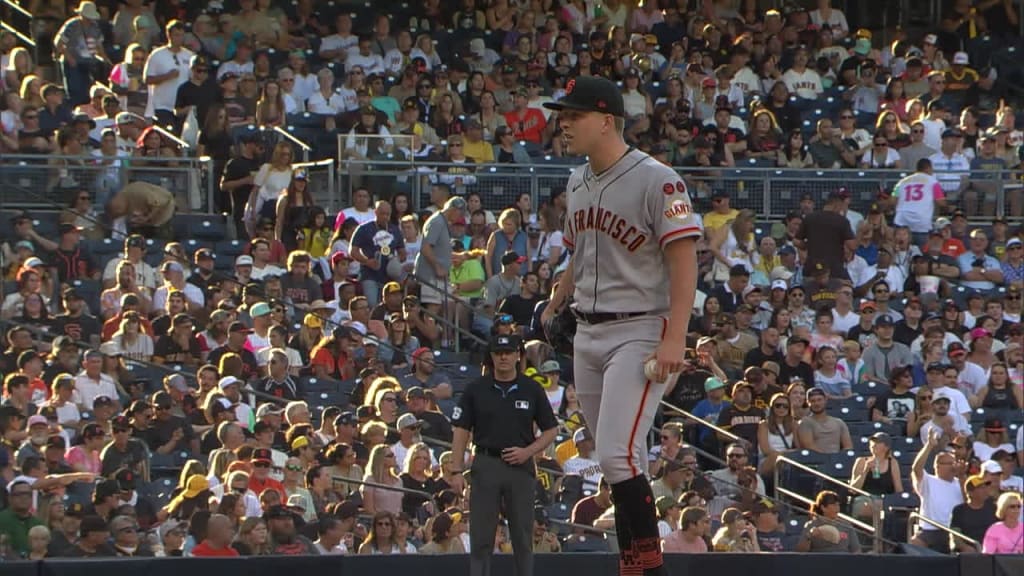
502,414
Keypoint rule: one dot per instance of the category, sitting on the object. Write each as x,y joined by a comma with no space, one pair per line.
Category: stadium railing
55,179
770,192
953,534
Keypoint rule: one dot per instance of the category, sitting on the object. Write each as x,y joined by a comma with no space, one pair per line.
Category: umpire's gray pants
498,487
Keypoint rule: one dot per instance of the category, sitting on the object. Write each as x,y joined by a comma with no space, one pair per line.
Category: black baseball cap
591,94
505,343
135,241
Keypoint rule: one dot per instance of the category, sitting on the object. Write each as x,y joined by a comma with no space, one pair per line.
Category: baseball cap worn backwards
590,94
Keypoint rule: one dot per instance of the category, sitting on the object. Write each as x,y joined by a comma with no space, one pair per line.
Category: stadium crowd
283,382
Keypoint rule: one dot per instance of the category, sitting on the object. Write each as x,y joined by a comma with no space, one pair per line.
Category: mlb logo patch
522,404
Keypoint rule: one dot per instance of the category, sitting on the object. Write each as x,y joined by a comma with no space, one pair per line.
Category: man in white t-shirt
360,211
800,79
950,167
939,493
970,376
363,56
335,47
583,462
934,124
261,264
946,419
917,196
166,69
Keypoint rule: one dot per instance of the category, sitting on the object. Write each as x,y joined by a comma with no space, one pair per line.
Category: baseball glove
561,331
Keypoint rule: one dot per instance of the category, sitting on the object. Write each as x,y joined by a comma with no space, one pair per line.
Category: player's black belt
602,317
495,452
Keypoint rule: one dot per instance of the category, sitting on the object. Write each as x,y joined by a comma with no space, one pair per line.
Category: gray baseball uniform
617,225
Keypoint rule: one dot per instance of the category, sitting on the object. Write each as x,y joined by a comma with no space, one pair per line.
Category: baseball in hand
651,370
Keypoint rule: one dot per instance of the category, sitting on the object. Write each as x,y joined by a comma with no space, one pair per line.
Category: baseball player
633,276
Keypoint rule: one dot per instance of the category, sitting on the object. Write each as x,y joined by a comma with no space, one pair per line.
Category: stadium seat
462,375
571,490
585,543
866,429
559,513
870,389
446,357
905,457
849,413
90,291
229,250
328,398
192,245
78,493
906,444
314,385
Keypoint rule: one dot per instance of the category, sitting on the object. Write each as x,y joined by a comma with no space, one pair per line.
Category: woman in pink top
694,526
381,470
1007,535
85,457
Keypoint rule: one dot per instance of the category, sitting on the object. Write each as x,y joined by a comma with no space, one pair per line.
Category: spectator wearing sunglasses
973,517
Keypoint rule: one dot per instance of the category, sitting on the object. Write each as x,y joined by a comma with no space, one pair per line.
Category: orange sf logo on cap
569,87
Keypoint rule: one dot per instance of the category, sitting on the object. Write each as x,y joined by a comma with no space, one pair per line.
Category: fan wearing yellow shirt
473,143
467,279
721,213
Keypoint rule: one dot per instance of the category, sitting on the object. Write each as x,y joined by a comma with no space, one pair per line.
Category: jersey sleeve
937,193
671,210
568,230
464,413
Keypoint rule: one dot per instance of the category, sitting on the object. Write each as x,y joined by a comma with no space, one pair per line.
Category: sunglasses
776,406
917,131
261,464
293,468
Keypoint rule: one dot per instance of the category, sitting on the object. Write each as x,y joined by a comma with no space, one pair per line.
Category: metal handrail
372,484
823,476
702,422
163,132
18,8
808,501
875,528
314,163
306,148
17,33
954,533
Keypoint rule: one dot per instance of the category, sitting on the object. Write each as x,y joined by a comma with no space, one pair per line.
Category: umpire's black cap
591,94
505,343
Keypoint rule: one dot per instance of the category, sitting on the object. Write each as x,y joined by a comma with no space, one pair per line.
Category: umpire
502,411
